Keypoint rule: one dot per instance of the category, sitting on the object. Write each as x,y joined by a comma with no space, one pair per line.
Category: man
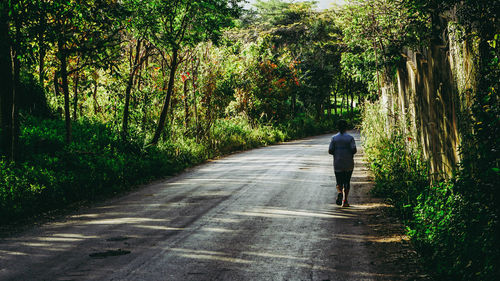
343,148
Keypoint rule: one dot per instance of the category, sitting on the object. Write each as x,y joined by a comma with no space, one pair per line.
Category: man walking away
343,148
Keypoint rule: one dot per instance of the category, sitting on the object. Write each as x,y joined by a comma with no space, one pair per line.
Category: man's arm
353,146
331,148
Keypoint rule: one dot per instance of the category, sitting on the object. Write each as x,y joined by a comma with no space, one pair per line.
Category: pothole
109,253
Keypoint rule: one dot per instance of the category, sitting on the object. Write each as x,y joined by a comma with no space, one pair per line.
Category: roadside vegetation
100,96
451,218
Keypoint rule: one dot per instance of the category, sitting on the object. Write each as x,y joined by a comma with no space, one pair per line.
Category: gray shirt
343,148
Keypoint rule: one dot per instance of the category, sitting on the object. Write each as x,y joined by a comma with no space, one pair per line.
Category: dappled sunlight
208,255
282,213
216,258
36,244
159,227
273,255
280,261
12,253
225,220
59,239
369,238
126,220
272,219
216,229
250,179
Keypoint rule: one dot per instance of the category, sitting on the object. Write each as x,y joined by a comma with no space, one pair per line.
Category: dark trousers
344,179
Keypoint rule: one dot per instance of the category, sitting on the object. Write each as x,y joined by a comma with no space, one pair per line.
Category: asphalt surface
264,214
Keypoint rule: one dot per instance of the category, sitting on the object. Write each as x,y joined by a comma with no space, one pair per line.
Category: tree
174,25
143,50
5,80
85,29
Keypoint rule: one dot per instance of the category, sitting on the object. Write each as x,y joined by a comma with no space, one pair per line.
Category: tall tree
87,29
175,25
5,80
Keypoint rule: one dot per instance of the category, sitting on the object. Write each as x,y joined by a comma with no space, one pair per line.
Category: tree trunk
15,109
64,78
56,84
94,95
76,78
342,105
170,89
16,66
128,90
6,82
41,53
195,88
352,101
186,106
335,100
329,108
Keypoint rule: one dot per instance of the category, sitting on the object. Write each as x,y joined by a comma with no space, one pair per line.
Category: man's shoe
339,199
345,204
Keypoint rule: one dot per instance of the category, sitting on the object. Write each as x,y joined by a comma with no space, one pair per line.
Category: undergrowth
454,223
98,163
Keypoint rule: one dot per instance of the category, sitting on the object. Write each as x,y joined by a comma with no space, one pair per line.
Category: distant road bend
264,214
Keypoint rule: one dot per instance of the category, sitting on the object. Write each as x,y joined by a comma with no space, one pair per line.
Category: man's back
342,147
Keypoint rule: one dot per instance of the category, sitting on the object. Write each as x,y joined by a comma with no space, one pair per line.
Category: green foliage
374,33
53,174
238,134
395,160
98,163
455,235
453,224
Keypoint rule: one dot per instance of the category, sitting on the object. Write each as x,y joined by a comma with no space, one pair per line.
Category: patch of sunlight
365,238
34,244
279,213
124,221
360,182
159,227
392,239
198,251
216,229
208,255
86,216
369,205
268,255
74,235
227,220
353,273
12,253
212,193
217,258
59,239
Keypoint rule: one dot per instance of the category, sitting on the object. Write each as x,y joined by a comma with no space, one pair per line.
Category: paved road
265,214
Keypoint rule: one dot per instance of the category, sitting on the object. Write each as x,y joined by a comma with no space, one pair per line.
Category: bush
395,160
453,224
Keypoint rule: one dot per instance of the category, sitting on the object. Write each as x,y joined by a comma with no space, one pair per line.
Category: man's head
342,125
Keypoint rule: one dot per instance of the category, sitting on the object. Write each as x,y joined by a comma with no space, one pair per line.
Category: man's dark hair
342,125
